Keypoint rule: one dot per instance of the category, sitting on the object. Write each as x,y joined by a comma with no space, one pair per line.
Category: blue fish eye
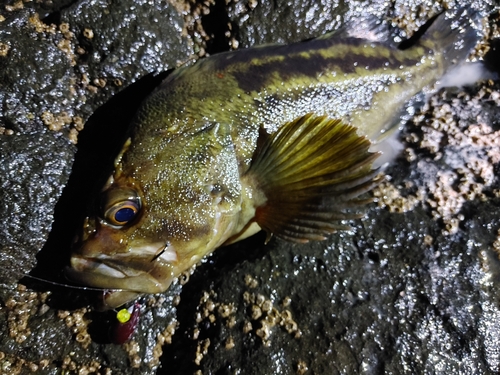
124,215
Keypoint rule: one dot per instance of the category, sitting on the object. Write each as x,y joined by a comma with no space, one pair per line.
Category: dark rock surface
30,185
60,61
411,289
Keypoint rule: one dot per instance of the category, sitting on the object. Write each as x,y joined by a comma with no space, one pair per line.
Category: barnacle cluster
262,317
301,368
67,42
410,16
208,311
405,20
13,365
201,350
78,323
470,150
149,353
66,38
391,197
193,11
496,244
88,33
22,305
93,367
228,311
4,49
266,316
40,26
17,5
251,282
62,120
56,122
162,338
4,131
133,350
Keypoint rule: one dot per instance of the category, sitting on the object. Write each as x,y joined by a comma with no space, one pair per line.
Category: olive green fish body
272,137
345,78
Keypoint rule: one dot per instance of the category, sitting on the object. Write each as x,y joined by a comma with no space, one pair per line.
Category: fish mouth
97,274
143,269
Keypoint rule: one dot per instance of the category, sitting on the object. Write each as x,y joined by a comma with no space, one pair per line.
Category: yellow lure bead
123,316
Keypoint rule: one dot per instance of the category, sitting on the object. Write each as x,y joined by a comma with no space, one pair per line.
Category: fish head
168,204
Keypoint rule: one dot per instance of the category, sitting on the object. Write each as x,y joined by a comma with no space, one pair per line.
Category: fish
280,138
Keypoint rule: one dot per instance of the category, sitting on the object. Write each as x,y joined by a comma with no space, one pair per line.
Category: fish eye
122,213
121,207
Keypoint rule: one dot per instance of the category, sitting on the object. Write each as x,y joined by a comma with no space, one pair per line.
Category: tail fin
453,34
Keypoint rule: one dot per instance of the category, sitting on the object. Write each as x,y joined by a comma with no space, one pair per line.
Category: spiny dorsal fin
368,27
311,173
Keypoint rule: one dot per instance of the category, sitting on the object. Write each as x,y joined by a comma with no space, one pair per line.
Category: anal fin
310,175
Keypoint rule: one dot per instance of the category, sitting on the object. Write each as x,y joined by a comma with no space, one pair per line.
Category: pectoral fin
310,174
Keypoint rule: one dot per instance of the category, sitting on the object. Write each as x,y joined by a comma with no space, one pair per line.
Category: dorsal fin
369,28
311,173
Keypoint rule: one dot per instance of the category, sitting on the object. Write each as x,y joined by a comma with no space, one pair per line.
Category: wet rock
59,62
30,185
412,289
35,161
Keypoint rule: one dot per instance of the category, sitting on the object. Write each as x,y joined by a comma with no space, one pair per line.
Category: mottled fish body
273,137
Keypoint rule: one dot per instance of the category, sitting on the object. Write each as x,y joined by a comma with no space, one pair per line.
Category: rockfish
277,138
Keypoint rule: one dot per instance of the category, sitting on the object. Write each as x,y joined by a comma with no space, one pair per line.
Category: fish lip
142,283
151,273
82,264
115,265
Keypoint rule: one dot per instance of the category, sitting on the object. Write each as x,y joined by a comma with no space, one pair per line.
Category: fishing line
73,286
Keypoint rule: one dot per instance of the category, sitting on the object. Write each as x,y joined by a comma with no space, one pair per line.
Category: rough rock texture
30,186
59,62
411,289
